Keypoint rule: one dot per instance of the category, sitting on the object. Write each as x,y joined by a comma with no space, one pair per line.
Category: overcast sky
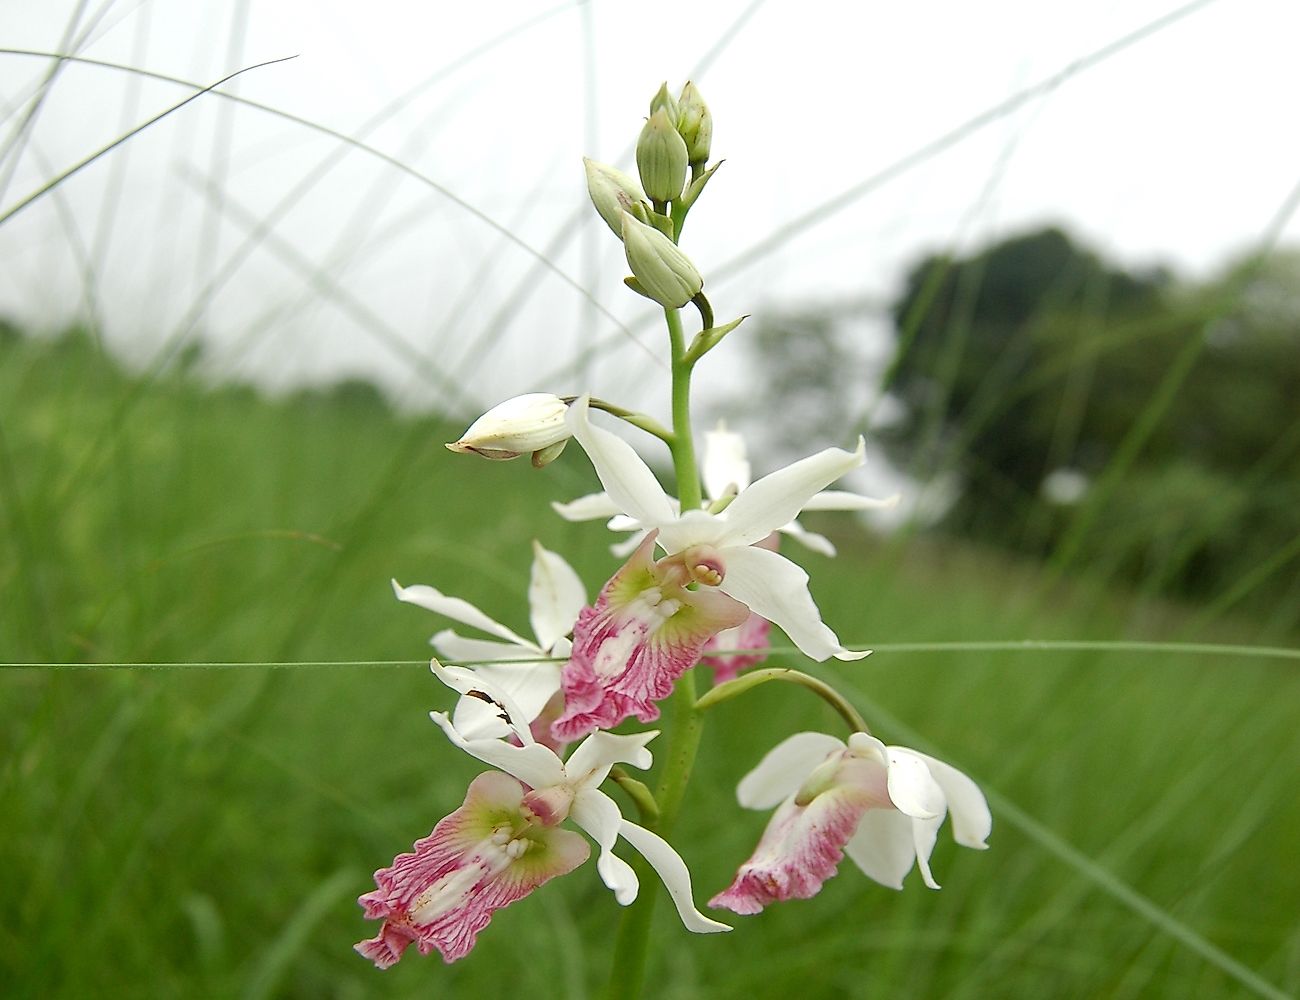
1177,149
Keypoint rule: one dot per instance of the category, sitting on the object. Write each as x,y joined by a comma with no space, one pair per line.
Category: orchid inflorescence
703,583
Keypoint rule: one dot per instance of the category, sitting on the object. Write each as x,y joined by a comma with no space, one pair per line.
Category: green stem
639,420
727,691
683,445
632,945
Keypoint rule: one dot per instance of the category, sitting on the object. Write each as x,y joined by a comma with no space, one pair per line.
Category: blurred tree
1090,412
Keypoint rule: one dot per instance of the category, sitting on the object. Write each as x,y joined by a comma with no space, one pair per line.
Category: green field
203,831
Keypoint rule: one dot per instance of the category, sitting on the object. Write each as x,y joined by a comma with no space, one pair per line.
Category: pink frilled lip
751,640
644,631
800,849
486,855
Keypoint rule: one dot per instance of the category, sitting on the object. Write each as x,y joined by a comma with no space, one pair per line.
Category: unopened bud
664,101
613,193
662,271
695,124
520,426
661,158
545,456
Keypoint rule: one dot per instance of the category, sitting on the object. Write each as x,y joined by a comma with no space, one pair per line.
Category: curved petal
628,480
456,609
555,596
693,527
473,684
912,788
597,813
777,498
676,877
971,820
882,846
783,769
924,834
534,764
808,539
591,507
529,685
843,500
726,466
589,764
774,587
456,648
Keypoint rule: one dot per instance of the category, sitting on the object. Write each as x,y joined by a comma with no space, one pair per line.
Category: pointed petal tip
849,654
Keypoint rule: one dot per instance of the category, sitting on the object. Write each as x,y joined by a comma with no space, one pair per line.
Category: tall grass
204,830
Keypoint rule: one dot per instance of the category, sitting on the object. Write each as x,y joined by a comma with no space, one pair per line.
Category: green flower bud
662,271
695,124
613,193
661,158
664,101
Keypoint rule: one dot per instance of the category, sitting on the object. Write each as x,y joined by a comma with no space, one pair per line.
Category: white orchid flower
880,805
531,677
446,892
720,548
725,471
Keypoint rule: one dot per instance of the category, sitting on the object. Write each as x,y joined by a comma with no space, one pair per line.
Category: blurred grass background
204,831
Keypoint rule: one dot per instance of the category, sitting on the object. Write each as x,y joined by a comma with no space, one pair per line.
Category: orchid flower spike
505,841
881,805
724,543
530,678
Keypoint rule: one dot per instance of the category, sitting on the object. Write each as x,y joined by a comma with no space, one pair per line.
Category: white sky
1178,150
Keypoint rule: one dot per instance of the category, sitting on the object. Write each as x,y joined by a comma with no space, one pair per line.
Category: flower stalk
730,689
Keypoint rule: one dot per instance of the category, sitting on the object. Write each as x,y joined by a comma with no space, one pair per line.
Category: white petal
783,769
882,846
808,539
725,466
774,587
621,522
591,507
589,764
456,609
694,527
555,596
676,878
628,480
912,788
924,834
456,648
534,765
971,820
776,499
529,685
477,720
842,500
597,813
473,684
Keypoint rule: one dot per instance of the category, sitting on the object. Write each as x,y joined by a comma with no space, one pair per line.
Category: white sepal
783,769
675,875
555,596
